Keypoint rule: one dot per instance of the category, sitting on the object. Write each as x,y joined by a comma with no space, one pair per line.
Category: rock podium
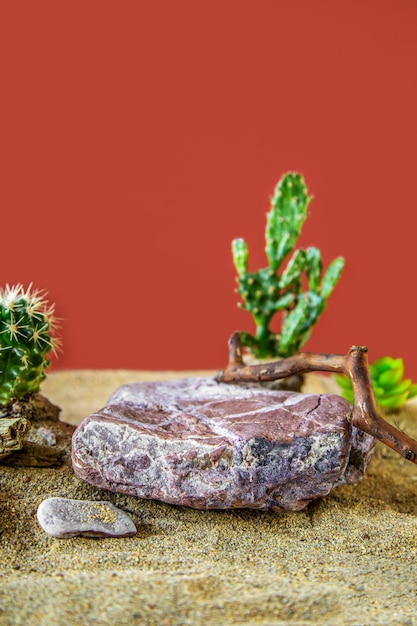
208,445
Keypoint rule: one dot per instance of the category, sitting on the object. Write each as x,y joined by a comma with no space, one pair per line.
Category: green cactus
27,326
387,381
270,290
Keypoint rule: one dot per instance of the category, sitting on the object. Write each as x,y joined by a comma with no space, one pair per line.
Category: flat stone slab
65,518
208,445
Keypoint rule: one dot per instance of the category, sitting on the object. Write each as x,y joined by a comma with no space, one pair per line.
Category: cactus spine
270,290
27,326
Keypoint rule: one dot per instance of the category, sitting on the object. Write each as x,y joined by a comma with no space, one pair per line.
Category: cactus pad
272,289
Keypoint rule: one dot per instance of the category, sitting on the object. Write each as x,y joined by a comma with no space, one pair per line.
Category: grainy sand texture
348,559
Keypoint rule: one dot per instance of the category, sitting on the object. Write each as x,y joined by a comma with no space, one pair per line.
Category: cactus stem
270,289
26,325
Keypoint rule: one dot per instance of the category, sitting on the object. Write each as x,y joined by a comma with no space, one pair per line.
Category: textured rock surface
64,518
197,443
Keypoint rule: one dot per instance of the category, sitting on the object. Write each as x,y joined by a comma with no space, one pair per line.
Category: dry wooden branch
12,435
354,364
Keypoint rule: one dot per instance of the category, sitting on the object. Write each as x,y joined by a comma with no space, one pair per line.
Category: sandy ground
348,559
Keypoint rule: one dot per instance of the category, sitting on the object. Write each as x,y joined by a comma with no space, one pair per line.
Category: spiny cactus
387,381
27,326
270,290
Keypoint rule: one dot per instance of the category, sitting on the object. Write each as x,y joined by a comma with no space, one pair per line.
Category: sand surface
348,559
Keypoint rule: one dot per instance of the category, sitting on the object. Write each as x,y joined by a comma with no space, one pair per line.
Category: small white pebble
64,518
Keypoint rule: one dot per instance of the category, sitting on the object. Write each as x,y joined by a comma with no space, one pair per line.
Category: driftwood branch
12,435
354,364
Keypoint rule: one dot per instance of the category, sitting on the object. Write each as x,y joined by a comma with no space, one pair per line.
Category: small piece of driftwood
16,427
35,455
12,435
354,364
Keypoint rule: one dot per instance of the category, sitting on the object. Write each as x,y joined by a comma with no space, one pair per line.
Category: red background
139,138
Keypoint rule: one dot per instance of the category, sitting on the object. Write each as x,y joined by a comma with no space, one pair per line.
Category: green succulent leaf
345,385
394,401
400,387
379,392
390,378
348,395
343,382
389,388
385,364
412,392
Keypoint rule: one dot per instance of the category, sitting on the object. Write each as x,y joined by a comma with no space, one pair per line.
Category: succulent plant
387,381
27,326
270,290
